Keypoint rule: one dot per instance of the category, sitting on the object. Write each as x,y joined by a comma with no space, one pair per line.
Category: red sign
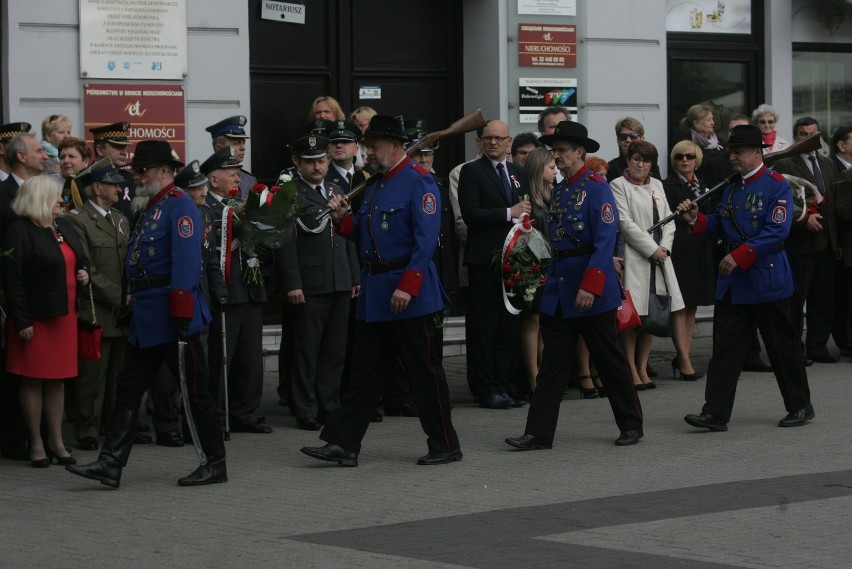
547,45
155,112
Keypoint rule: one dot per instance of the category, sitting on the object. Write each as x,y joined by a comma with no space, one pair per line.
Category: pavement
757,496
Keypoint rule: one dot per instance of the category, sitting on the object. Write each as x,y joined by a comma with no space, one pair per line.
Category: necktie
817,175
321,193
501,171
108,217
349,179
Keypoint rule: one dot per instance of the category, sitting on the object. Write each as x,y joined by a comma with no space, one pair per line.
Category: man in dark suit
811,246
319,272
7,131
490,196
841,149
343,140
25,158
243,309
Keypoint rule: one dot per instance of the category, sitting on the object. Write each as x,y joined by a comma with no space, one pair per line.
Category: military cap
223,158
231,127
310,147
344,130
320,127
101,171
416,129
153,152
7,131
386,127
191,176
115,133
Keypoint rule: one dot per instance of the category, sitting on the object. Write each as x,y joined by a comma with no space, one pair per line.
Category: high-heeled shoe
40,463
599,386
588,392
639,386
684,376
650,385
60,460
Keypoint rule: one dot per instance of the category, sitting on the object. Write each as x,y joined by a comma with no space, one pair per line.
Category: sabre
202,458
464,125
809,144
225,376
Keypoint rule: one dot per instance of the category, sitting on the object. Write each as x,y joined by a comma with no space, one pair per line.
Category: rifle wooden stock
464,125
809,144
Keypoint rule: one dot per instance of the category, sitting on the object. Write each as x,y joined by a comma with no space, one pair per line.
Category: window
822,88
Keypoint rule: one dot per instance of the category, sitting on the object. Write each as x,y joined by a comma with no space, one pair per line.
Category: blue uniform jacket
582,215
166,242
399,219
761,206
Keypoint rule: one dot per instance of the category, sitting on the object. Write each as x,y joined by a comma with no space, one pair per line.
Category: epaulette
776,176
419,169
176,192
74,212
597,178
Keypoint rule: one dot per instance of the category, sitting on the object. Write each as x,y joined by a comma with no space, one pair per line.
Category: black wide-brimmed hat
386,127
152,152
571,131
746,135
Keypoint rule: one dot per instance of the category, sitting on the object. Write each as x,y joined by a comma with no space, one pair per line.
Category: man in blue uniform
581,295
396,229
162,270
755,285
232,132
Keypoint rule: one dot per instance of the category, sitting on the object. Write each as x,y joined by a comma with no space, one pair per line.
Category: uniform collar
754,174
577,175
161,194
98,208
398,168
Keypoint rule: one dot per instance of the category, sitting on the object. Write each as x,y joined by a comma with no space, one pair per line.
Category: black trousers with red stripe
732,326
377,346
600,331
141,366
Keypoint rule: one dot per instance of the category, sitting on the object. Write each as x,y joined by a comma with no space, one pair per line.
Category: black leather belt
134,285
731,247
576,252
373,267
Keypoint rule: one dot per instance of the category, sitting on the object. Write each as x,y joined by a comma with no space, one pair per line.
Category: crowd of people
143,251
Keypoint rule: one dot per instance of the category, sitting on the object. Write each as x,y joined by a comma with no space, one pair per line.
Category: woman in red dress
41,279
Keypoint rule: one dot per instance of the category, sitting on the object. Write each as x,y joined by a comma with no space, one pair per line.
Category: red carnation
517,277
508,268
274,189
258,188
535,268
508,282
542,280
233,193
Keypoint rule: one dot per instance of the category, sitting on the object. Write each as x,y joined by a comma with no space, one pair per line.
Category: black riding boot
210,436
115,451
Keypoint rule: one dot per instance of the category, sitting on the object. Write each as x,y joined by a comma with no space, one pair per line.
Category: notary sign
155,112
282,12
547,45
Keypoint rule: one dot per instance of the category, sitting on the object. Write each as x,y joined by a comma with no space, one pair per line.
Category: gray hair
764,109
16,144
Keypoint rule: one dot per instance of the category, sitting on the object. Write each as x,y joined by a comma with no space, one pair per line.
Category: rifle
809,144
464,125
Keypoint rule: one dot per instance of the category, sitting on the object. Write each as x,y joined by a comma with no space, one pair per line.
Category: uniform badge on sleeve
185,229
779,214
607,214
430,204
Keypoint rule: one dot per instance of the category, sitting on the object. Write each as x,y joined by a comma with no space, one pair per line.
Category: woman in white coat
637,195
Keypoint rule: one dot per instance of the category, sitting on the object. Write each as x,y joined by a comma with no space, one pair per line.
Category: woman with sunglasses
766,118
692,255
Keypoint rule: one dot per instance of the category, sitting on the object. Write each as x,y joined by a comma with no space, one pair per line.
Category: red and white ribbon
522,225
226,241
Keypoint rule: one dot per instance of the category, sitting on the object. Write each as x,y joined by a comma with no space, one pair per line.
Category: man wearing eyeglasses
627,130
490,197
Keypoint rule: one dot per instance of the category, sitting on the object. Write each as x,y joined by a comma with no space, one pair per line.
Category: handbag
656,322
89,335
626,314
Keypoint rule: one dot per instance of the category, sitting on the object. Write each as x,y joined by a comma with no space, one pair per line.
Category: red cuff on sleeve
181,303
346,226
744,256
593,281
700,225
411,281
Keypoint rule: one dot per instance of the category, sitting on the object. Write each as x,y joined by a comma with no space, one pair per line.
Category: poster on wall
709,16
547,45
548,7
536,94
155,112
133,39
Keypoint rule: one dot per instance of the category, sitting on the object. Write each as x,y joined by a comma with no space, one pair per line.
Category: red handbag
89,335
628,318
